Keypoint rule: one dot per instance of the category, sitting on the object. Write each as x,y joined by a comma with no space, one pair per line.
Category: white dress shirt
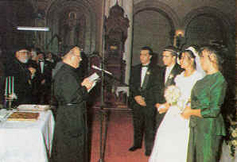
144,70
41,67
167,72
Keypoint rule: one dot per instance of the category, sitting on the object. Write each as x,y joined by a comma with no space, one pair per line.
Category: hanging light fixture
27,28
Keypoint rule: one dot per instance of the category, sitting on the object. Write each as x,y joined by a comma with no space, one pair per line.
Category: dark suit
44,90
170,81
174,72
144,117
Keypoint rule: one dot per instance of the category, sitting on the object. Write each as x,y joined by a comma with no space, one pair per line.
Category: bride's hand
162,108
187,112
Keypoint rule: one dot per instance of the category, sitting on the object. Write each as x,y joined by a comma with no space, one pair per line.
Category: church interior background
112,32
117,29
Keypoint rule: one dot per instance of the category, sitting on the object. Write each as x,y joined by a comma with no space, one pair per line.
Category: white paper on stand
93,78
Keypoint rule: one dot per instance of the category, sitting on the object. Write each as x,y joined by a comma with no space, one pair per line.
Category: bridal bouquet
172,95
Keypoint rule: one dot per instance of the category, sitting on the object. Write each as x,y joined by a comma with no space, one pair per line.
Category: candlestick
6,84
13,84
9,86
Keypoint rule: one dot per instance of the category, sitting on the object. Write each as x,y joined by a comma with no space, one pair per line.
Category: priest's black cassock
70,129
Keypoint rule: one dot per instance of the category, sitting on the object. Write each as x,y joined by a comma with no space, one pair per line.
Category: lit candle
9,86
13,84
6,84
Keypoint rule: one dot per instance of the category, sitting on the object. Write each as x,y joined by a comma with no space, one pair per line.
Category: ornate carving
116,34
116,26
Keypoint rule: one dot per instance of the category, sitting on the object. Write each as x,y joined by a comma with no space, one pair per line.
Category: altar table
27,141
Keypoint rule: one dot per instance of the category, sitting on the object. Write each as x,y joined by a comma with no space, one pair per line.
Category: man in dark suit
145,86
171,70
43,75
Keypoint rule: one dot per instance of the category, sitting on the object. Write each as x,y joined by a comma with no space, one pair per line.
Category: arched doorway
204,29
206,25
154,25
151,28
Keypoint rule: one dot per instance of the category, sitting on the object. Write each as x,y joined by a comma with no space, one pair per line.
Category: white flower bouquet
172,95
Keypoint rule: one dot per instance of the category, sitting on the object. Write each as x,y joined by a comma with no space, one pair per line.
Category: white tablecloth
27,141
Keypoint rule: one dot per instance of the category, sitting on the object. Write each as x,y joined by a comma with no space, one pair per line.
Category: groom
171,70
145,87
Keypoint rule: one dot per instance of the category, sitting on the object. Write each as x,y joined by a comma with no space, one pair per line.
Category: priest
21,85
70,129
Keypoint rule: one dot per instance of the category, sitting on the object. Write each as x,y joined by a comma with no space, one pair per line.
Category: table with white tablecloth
27,141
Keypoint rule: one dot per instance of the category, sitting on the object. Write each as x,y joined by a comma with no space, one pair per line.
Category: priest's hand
32,71
140,100
87,83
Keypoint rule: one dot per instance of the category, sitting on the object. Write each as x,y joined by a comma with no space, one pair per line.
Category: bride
172,136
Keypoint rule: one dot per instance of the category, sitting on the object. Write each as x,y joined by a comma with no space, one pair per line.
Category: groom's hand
140,100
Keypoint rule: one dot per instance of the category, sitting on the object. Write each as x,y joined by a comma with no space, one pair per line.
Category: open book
93,78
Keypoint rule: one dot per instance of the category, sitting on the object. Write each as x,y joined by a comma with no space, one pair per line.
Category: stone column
128,9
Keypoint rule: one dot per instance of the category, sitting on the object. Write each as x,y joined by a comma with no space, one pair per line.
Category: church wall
152,22
182,7
182,12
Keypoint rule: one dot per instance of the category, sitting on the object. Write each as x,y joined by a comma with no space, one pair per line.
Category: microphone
97,68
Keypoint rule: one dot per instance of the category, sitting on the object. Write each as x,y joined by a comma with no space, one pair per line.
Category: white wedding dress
172,136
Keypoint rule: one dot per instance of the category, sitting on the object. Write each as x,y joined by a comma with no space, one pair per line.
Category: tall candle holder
8,102
9,95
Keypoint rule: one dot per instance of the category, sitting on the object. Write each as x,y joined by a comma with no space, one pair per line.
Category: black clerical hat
20,47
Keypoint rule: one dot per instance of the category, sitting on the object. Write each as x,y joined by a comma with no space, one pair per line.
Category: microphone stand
103,112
